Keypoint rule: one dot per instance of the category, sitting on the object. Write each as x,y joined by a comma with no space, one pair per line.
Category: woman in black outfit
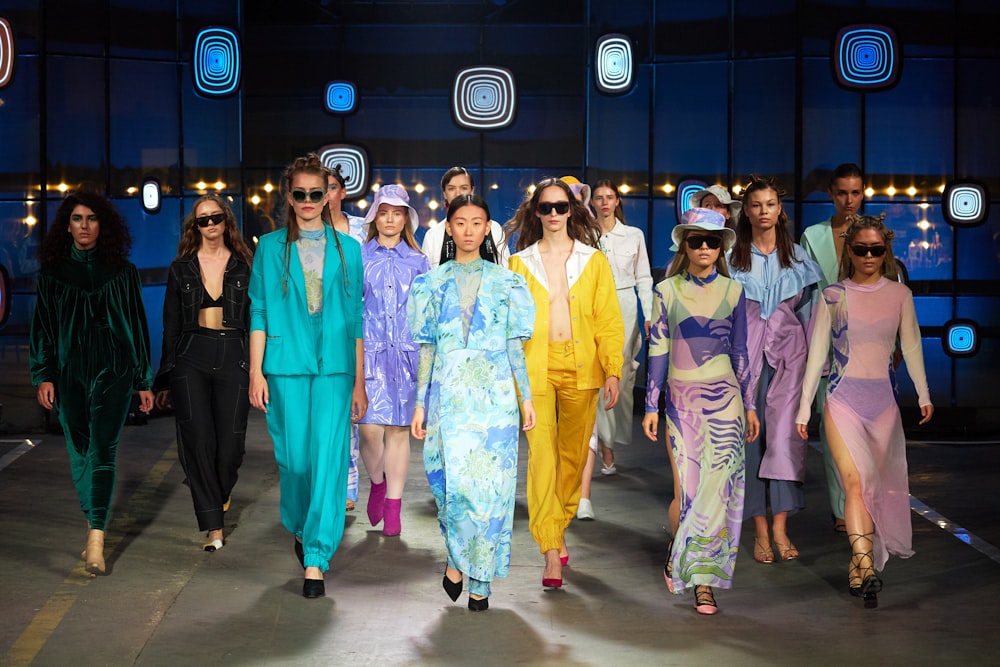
204,371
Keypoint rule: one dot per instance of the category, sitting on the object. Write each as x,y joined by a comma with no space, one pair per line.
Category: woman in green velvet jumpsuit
90,348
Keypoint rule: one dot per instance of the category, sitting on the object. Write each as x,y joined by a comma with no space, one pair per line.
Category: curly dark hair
191,237
113,239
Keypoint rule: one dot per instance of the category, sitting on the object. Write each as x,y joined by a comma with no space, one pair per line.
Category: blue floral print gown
473,318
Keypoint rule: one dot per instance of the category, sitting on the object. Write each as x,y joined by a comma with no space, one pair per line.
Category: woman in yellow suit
574,353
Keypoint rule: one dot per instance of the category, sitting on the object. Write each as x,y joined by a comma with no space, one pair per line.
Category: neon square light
353,161
866,57
6,52
684,191
341,97
217,62
613,64
961,338
965,203
484,98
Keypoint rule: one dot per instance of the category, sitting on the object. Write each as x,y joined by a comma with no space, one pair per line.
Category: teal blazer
291,347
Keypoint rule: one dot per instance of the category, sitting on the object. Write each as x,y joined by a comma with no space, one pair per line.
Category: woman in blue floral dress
471,318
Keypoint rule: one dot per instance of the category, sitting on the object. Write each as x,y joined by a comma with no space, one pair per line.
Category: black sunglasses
314,196
214,219
695,240
862,250
560,207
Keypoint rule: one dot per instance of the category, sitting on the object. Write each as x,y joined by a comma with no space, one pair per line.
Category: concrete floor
166,602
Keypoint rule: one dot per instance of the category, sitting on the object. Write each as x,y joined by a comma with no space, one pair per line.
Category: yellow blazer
596,318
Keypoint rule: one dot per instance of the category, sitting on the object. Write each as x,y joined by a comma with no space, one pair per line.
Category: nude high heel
93,555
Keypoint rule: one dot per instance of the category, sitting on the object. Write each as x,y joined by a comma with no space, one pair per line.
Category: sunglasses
862,250
314,196
560,207
214,219
694,241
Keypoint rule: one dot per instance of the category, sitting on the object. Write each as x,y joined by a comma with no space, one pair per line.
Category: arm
659,358
819,350
136,315
609,329
171,332
359,395
911,345
43,355
425,365
644,282
739,359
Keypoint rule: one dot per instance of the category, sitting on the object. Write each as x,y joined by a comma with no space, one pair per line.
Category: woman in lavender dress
392,259
698,340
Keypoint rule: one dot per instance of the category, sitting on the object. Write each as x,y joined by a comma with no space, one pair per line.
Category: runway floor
167,602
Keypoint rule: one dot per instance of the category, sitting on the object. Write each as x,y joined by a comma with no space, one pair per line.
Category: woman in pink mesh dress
861,316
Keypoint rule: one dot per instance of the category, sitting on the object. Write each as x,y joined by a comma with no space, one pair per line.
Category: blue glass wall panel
690,132
143,30
20,167
832,128
764,28
978,132
145,128
619,138
764,119
977,250
910,130
75,121
212,139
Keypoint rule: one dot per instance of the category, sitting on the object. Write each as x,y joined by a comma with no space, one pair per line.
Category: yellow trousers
557,448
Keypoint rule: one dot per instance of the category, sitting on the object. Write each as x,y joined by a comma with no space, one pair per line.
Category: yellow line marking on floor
23,652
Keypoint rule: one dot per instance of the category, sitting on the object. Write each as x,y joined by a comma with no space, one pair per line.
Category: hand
417,429
163,401
610,392
649,424
145,401
647,324
359,401
927,411
259,396
46,394
528,410
803,431
753,425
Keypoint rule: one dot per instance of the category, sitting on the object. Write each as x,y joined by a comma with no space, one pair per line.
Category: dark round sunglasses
214,219
314,196
695,240
862,250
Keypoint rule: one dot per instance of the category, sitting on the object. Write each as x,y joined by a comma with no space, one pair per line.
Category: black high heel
478,605
668,567
869,586
452,588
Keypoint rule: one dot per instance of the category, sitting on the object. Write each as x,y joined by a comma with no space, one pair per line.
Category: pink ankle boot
392,526
376,502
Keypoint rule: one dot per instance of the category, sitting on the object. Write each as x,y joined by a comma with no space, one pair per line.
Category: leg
835,491
585,510
232,407
290,431
371,437
860,527
352,470
397,463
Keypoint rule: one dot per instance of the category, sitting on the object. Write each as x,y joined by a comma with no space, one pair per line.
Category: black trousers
210,392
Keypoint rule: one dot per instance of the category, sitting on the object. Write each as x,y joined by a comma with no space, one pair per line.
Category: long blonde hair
681,260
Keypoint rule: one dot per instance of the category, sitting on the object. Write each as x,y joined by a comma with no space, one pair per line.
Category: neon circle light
484,98
353,161
613,64
341,97
866,57
216,62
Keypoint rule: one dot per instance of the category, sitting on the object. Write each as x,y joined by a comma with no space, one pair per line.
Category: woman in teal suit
305,309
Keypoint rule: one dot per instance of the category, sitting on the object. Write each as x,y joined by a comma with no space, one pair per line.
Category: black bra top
209,302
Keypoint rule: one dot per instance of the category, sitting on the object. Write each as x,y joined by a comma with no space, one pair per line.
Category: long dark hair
487,249
739,258
113,238
855,223
580,226
191,238
307,164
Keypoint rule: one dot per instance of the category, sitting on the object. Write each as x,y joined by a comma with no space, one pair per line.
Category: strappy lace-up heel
863,560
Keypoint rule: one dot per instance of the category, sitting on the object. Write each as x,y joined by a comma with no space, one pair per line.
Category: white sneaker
585,511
